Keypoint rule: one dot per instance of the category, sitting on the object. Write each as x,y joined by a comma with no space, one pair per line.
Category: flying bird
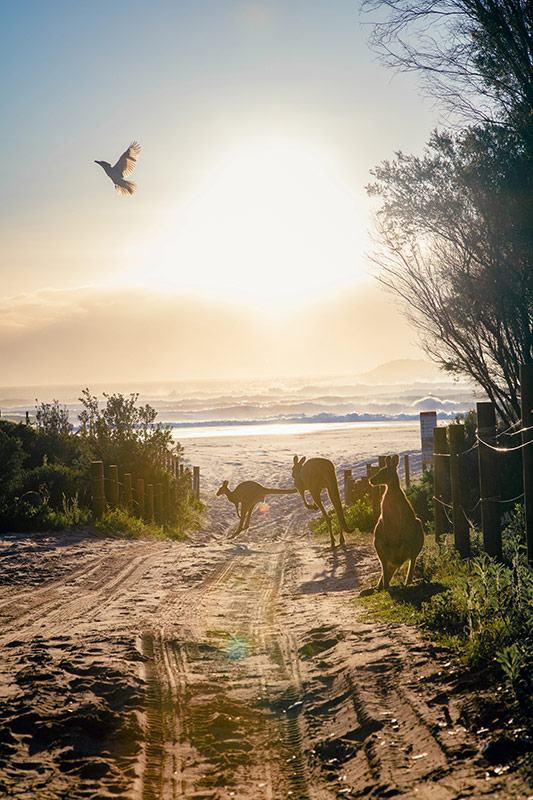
124,167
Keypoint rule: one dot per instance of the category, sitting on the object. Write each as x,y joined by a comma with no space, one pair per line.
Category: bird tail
125,187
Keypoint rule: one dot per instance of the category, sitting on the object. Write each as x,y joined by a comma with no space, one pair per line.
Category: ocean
283,405
252,429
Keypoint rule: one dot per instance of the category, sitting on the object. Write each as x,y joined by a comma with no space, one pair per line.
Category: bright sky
258,122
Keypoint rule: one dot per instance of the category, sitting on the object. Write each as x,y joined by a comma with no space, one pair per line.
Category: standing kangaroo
313,476
398,535
248,494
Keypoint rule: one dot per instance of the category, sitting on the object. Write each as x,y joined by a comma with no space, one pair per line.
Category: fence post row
526,402
489,483
140,497
149,502
113,486
128,492
441,482
154,503
97,484
461,526
196,482
347,479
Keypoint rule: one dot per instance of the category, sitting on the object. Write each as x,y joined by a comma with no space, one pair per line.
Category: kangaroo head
223,489
387,474
297,465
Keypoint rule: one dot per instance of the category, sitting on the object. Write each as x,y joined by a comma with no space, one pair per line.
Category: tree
455,246
125,434
476,55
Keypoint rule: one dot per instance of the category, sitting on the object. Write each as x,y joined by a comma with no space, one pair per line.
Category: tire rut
92,594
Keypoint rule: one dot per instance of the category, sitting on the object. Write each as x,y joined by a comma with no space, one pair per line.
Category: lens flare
236,648
264,508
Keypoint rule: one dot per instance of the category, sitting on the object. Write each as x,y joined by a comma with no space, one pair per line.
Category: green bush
45,469
51,483
420,495
359,515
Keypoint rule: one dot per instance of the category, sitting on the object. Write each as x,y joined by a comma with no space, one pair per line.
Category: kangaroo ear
302,460
387,461
295,460
225,483
395,460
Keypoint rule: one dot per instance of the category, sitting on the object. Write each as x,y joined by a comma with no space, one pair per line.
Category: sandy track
222,669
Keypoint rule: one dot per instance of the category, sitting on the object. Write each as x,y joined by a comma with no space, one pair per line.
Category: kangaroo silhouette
313,476
247,495
398,535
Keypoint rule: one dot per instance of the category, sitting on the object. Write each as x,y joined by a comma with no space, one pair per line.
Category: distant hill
403,370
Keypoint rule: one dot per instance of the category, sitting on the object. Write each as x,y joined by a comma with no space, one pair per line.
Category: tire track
57,614
207,702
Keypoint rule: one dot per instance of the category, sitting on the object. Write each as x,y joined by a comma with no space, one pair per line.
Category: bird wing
126,163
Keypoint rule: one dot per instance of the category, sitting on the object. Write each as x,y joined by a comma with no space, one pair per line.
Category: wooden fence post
406,470
526,400
168,499
461,526
196,482
140,497
441,481
128,492
98,491
375,493
158,503
150,502
489,484
113,485
347,476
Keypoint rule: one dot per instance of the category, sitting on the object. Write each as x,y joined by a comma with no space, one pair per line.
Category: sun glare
273,223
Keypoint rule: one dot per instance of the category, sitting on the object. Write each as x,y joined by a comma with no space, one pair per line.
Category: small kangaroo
313,476
247,494
398,535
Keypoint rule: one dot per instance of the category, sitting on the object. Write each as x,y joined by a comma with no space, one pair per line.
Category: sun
273,223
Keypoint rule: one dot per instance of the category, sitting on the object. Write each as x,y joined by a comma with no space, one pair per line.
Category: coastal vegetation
45,468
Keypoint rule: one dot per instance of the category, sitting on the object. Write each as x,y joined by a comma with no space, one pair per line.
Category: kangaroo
313,476
398,535
247,495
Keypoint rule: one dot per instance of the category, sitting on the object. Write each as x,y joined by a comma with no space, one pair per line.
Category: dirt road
221,668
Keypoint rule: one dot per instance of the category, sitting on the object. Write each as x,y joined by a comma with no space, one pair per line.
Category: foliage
455,241
359,515
125,434
474,54
11,460
51,483
420,495
479,607
45,470
118,520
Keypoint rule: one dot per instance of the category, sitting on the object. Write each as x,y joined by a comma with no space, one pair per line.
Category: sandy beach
229,668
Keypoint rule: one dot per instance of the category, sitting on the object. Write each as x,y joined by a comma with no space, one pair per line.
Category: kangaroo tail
281,491
337,505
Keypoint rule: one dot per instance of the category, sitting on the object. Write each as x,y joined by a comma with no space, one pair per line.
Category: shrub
420,495
52,483
359,516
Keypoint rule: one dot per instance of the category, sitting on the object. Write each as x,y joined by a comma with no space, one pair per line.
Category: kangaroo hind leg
247,518
320,505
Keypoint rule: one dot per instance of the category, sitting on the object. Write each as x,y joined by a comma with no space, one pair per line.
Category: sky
242,252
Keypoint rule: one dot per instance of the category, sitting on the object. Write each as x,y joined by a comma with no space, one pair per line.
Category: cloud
99,334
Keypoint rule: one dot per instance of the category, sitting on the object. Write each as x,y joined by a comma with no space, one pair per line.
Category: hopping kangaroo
247,495
313,476
398,535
